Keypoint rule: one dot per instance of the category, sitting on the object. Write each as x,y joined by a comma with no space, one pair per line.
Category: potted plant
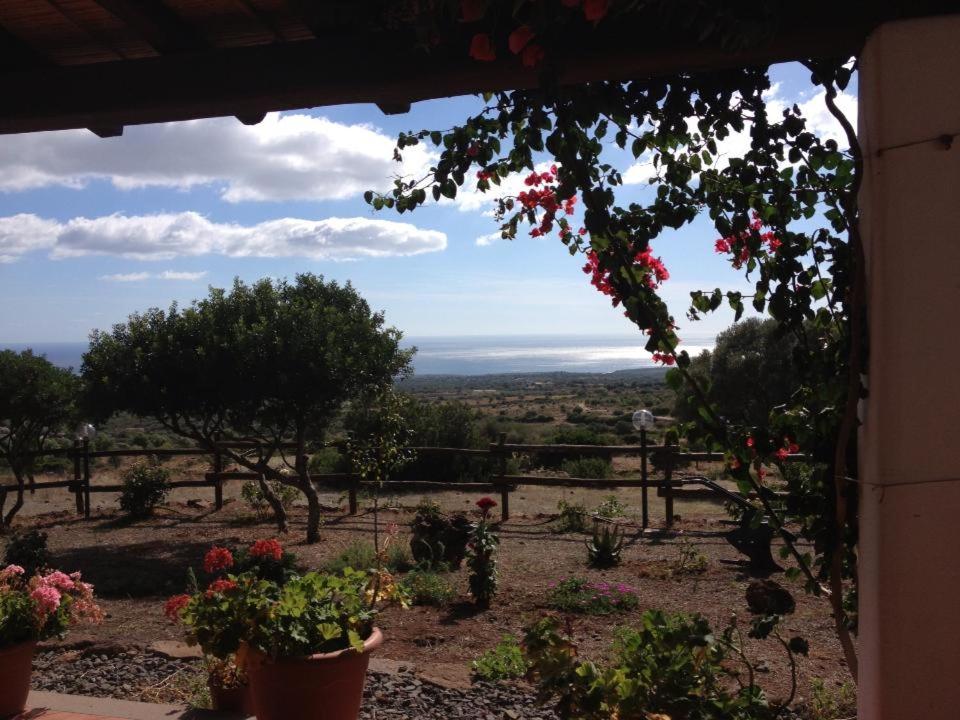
33,609
212,621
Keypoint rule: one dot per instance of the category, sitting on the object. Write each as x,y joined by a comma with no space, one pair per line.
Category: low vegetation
505,661
579,596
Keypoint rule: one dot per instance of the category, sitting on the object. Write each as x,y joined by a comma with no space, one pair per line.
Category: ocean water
479,355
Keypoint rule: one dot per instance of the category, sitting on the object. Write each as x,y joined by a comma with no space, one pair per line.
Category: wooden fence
667,486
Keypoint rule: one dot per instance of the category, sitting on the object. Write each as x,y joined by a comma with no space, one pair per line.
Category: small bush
29,551
829,703
689,561
572,517
145,485
358,555
611,508
437,538
587,467
328,460
575,595
427,587
503,662
398,559
254,497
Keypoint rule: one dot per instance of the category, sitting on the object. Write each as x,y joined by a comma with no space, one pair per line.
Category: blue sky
93,229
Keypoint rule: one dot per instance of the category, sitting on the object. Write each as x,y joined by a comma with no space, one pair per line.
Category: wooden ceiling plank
17,54
95,35
156,23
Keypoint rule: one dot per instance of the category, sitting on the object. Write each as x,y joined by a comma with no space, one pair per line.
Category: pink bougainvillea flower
472,10
267,549
664,358
60,581
174,606
782,454
473,150
481,48
594,10
47,599
486,503
533,55
520,38
217,559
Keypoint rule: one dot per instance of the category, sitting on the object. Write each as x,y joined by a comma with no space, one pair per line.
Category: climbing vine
785,214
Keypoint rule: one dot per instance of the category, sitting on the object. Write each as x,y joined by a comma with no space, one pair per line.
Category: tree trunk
313,509
12,513
279,513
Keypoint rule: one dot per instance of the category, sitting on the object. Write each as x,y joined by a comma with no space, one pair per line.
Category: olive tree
36,401
269,363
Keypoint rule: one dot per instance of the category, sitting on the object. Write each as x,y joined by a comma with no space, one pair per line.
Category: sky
94,229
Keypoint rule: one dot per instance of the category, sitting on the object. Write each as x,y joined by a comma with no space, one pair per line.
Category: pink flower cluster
738,244
50,592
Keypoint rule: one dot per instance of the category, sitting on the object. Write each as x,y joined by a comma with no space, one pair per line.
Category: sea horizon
476,354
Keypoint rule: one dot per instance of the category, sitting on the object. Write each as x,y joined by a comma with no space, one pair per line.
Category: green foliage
605,547
611,507
575,595
36,401
427,587
504,661
689,560
571,518
29,551
438,539
266,567
359,555
252,494
482,561
588,467
398,559
671,665
328,460
26,612
830,703
145,486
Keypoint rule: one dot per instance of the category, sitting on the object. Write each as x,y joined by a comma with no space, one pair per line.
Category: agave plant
605,547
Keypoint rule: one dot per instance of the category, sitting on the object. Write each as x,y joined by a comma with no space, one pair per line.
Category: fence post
218,482
645,513
78,496
352,494
502,472
668,486
86,478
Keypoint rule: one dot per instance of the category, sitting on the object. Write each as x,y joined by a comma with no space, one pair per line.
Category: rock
175,650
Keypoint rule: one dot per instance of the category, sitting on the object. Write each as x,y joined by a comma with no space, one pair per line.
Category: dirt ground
136,565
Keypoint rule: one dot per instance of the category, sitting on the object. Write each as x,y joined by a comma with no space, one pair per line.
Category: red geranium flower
220,586
486,503
174,606
481,48
267,549
594,10
782,454
217,559
519,39
472,10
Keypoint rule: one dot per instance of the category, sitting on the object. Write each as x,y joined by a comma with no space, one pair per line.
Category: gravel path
142,675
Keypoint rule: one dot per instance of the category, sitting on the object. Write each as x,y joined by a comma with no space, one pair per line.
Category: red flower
594,10
220,586
782,454
174,606
486,503
519,39
473,150
472,10
217,559
532,55
750,442
793,448
665,358
267,549
481,48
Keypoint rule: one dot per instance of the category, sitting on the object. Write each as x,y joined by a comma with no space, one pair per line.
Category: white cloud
189,234
285,157
176,275
489,239
127,277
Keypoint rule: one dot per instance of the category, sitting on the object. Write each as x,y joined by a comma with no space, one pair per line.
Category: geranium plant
482,557
42,606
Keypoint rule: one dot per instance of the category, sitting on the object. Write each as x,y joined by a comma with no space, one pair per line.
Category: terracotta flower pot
326,686
15,667
232,700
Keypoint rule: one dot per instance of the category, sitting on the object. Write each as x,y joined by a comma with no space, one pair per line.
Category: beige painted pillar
910,508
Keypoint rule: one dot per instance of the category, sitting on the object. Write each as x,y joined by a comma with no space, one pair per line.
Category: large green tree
36,401
270,363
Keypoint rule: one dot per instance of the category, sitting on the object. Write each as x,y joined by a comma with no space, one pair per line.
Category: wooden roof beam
156,24
250,81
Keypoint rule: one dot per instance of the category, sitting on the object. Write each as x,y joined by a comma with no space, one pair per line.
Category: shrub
605,547
145,485
689,560
253,495
672,665
572,517
503,662
587,467
427,587
438,538
398,559
358,555
611,508
829,703
29,551
575,595
328,460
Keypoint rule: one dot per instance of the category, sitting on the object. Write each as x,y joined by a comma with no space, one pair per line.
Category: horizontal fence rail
667,458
